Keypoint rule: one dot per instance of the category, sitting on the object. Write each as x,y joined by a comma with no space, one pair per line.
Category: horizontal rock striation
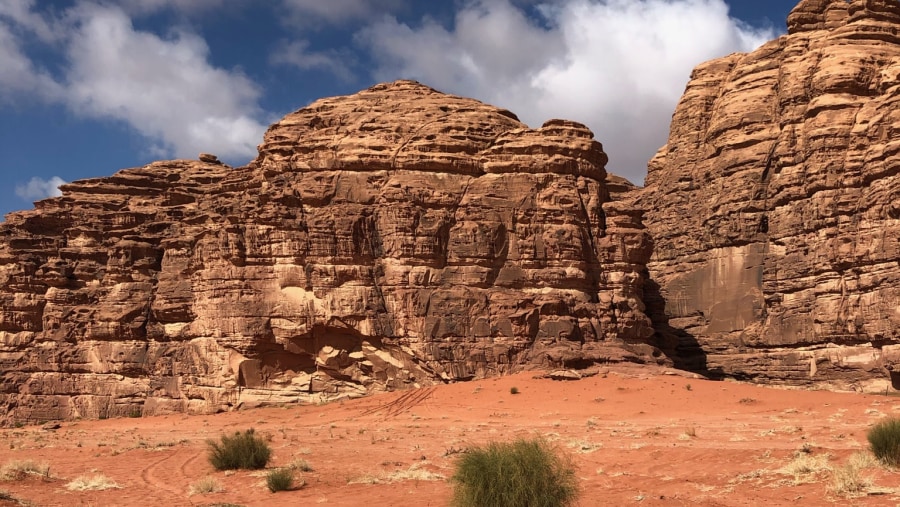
391,238
774,206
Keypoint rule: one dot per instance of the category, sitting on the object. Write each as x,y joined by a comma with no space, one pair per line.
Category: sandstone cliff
775,206
391,238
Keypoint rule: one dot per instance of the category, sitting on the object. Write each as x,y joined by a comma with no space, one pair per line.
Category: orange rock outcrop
392,238
774,206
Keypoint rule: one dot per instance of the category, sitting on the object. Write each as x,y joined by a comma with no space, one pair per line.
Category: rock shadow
679,346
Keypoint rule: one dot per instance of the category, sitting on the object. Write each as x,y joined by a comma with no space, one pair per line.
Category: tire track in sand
405,402
165,474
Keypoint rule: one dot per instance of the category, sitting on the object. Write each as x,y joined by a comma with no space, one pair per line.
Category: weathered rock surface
395,237
775,206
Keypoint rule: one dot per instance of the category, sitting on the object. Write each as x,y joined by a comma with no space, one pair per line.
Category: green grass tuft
523,473
280,479
245,450
884,439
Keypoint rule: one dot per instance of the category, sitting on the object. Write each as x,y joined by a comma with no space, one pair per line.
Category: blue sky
93,86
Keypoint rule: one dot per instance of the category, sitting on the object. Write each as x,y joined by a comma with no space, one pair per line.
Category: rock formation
391,238
775,206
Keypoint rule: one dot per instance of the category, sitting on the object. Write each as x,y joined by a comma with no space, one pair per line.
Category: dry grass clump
93,482
416,472
301,465
205,485
689,433
364,479
848,480
18,470
805,467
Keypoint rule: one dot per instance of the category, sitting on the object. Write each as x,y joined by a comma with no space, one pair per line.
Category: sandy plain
638,436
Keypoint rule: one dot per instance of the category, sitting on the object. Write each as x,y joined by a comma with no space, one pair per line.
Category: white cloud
18,75
20,12
619,66
309,13
298,54
38,188
165,88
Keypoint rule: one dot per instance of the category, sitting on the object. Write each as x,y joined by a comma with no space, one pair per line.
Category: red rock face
774,205
391,238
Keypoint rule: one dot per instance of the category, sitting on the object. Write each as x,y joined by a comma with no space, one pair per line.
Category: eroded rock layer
775,206
395,237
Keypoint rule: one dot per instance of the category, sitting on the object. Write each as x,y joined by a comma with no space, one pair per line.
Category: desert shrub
280,479
523,473
884,439
245,450
206,485
513,390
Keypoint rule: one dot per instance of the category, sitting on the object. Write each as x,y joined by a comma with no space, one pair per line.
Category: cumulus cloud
18,75
298,54
619,66
309,13
21,13
163,87
38,188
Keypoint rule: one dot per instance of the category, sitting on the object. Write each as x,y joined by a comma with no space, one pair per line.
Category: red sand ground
629,432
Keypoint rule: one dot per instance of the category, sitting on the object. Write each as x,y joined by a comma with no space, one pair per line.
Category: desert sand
638,436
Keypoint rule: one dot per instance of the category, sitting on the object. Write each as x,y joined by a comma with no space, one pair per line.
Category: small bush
524,473
206,485
280,479
245,450
884,439
513,390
